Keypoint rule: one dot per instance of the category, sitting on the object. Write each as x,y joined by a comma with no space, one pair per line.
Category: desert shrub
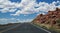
44,27
58,21
52,28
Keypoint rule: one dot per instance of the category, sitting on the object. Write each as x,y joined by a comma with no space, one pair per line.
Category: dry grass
48,27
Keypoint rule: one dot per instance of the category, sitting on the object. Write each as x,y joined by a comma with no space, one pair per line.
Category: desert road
25,28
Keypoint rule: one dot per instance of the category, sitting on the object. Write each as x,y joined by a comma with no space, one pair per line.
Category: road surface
6,27
25,28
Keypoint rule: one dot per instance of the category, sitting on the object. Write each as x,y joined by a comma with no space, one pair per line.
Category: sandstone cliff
52,18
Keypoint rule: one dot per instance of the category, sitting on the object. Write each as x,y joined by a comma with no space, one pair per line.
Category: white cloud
7,6
26,20
7,20
13,20
26,7
42,6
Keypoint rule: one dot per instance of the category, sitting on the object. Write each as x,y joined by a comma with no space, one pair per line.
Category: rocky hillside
52,18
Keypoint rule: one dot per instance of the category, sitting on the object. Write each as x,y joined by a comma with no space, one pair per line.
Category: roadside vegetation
55,27
50,21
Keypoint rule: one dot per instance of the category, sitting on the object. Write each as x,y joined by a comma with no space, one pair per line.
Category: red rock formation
49,18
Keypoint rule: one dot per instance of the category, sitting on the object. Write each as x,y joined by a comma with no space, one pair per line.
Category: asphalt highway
25,28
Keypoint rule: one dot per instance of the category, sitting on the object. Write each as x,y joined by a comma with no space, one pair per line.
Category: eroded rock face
49,18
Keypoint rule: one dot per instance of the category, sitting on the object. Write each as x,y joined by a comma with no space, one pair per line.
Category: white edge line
41,28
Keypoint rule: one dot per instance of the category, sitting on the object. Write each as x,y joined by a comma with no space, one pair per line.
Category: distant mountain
52,18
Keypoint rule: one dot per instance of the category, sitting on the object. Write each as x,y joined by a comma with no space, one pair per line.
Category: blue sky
25,10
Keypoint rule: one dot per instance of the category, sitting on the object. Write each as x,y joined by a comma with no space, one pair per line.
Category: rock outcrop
50,18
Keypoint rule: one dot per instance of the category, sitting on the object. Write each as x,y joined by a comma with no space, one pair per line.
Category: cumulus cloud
42,6
27,7
26,20
7,6
8,20
13,20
